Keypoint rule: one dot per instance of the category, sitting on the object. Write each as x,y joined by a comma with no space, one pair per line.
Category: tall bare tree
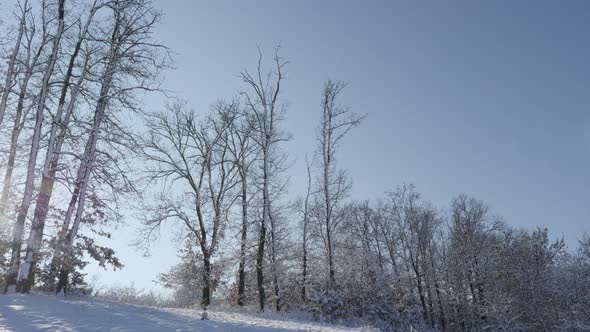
262,100
404,210
193,156
244,154
305,236
336,122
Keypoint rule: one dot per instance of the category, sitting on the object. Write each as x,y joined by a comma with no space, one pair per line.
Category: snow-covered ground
49,313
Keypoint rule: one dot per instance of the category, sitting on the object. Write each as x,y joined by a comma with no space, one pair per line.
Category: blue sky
490,99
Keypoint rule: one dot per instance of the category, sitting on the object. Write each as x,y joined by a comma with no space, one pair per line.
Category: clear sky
486,98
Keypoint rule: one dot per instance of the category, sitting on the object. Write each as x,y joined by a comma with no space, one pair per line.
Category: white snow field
49,313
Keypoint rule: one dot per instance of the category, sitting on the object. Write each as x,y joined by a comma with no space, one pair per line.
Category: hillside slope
47,313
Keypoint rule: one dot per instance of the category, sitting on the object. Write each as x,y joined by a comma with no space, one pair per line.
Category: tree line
397,262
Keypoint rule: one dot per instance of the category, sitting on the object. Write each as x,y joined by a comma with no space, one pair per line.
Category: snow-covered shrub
130,294
326,305
5,242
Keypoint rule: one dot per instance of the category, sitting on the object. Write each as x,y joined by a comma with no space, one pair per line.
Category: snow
49,313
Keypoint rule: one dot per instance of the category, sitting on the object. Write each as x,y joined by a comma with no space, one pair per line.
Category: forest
79,150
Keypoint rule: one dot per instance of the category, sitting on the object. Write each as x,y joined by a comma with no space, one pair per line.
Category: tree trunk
273,257
330,258
206,296
277,291
265,217
430,303
18,231
305,221
304,274
259,265
443,323
328,202
242,266
420,291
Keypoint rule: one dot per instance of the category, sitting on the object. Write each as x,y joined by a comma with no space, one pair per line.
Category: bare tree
390,237
471,231
336,122
262,100
192,155
405,212
305,229
244,154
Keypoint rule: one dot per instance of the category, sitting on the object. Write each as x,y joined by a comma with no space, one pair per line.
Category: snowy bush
130,294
